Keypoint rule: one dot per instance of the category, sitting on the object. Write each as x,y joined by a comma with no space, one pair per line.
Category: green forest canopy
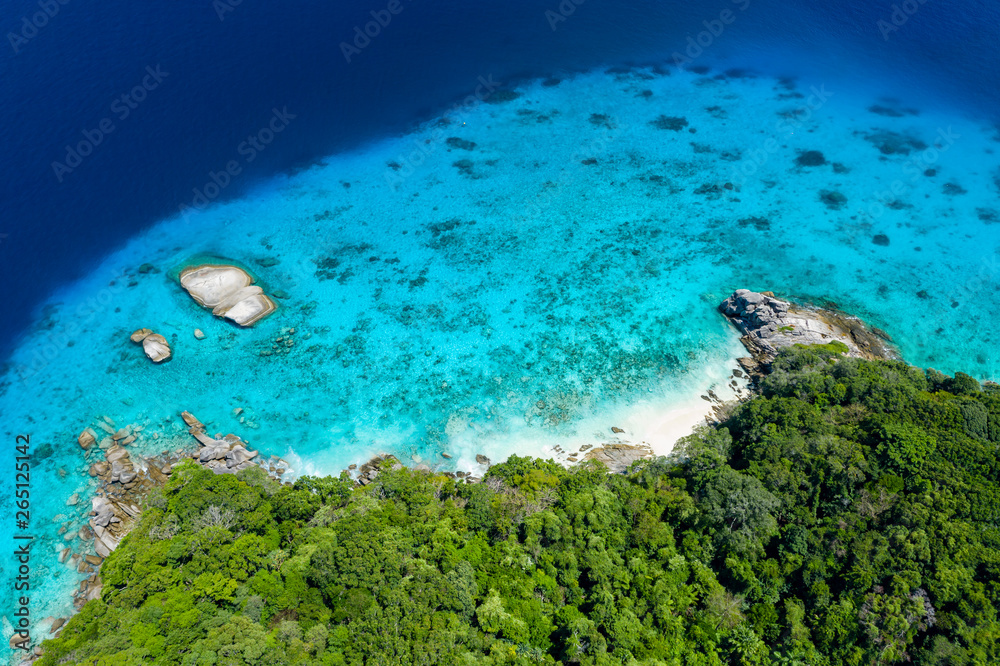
850,514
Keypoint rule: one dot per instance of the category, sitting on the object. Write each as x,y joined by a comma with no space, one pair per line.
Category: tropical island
846,514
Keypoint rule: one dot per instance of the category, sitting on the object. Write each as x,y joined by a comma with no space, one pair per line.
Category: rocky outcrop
154,344
223,455
125,481
109,522
770,324
228,291
371,469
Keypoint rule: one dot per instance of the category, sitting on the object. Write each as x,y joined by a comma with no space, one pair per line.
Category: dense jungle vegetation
849,514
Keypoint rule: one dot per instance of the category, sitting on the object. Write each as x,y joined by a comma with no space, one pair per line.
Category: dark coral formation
810,158
466,168
602,120
988,215
758,223
710,190
890,112
894,143
461,144
672,123
502,97
832,199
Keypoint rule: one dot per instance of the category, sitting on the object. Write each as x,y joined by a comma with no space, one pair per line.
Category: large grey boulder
239,455
228,292
618,457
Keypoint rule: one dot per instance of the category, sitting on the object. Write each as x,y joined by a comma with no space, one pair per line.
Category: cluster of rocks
367,472
125,481
575,456
283,343
770,324
114,436
228,291
110,521
370,470
222,454
154,344
54,624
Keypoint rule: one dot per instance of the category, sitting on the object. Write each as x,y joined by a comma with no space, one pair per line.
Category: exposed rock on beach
619,457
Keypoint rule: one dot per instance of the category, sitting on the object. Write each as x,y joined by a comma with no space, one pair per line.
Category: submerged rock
191,421
228,291
87,438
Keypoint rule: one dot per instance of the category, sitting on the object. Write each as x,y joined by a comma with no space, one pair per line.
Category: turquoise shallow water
521,275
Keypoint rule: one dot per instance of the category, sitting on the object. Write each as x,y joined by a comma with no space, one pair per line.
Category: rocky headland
770,324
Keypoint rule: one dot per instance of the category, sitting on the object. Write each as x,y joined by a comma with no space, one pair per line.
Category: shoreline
641,430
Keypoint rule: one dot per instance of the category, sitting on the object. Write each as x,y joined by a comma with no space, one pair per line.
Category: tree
740,507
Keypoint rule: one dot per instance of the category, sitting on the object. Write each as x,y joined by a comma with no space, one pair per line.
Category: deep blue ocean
229,63
489,229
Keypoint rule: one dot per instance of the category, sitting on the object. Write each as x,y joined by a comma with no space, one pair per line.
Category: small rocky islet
229,291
